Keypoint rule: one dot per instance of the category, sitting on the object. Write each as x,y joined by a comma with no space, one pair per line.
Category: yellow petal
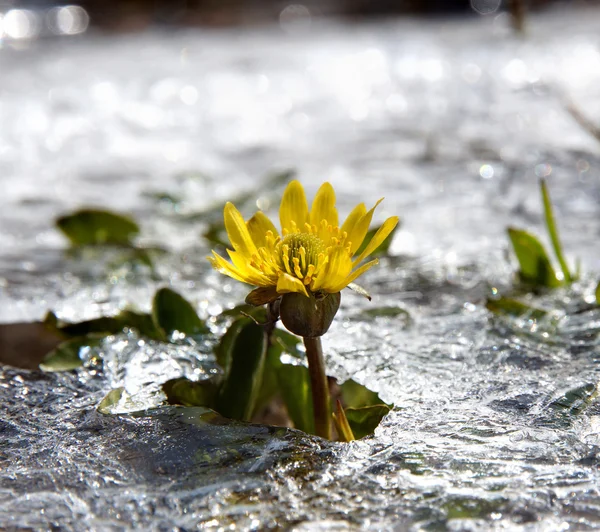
286,283
323,207
355,274
357,213
258,226
237,231
361,228
226,268
338,267
251,274
294,207
378,238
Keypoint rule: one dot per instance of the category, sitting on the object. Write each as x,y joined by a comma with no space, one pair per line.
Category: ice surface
495,425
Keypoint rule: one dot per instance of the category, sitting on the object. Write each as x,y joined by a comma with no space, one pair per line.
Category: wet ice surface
495,423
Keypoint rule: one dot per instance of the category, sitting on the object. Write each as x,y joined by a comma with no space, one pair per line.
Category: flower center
299,253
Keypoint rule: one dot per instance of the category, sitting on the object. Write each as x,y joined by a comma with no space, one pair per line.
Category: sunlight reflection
21,24
67,20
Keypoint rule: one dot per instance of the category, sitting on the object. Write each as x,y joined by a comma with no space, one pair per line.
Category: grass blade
553,232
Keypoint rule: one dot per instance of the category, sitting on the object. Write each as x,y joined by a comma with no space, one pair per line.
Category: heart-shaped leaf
185,392
65,356
92,227
171,312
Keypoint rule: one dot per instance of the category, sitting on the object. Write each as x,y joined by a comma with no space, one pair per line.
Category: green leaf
171,312
65,356
383,248
576,400
281,342
110,400
553,232
294,385
534,264
598,294
512,307
50,321
258,313
185,392
269,388
244,358
364,421
105,325
224,348
138,256
356,395
288,342
143,323
91,227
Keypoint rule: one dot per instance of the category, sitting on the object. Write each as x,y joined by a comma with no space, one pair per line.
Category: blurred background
22,20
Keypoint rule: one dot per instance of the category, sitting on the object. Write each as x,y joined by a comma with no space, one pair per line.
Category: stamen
303,256
286,263
264,254
309,273
297,252
297,270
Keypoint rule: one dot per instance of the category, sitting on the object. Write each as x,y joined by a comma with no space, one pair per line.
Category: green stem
319,387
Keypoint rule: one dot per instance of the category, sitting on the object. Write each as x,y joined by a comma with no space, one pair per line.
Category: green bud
309,316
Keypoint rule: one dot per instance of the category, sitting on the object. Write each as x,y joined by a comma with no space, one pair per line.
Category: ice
495,424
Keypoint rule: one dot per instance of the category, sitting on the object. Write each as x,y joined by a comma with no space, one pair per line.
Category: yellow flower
312,253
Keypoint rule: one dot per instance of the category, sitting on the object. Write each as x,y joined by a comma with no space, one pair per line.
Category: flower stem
319,387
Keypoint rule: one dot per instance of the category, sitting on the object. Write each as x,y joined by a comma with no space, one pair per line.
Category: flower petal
323,206
286,284
359,290
357,213
361,228
293,212
258,226
378,238
251,274
334,272
226,268
356,273
237,231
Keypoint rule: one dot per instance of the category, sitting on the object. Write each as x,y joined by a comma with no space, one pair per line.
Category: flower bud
309,316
